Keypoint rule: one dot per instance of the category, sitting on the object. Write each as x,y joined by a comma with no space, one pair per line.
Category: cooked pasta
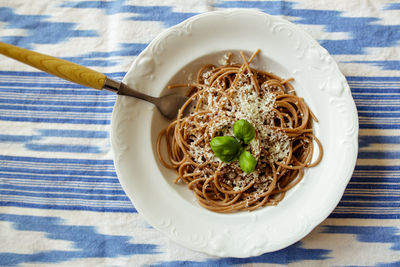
283,145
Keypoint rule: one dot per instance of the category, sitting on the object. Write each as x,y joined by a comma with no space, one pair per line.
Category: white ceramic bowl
288,52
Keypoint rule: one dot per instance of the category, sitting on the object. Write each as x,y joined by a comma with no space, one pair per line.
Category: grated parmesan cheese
224,59
243,103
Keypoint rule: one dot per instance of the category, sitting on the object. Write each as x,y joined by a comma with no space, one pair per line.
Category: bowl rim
144,65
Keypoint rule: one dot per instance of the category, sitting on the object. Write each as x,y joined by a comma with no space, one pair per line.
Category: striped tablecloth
60,199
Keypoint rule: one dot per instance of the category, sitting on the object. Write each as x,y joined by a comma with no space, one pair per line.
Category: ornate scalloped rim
337,89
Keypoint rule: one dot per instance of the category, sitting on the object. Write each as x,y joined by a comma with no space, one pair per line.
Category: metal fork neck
112,85
122,89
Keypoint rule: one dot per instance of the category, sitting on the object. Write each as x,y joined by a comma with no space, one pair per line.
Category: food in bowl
247,141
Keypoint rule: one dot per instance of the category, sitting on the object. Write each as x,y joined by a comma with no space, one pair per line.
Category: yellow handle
56,66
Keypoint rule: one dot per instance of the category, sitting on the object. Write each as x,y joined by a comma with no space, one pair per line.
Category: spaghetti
283,145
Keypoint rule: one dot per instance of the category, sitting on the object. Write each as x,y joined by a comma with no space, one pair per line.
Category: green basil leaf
247,162
244,131
226,148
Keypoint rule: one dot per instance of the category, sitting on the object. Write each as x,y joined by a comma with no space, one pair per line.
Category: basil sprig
244,131
229,149
247,162
225,148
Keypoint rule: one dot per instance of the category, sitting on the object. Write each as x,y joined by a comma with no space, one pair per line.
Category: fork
168,105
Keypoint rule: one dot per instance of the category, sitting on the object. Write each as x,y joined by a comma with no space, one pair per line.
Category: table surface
60,199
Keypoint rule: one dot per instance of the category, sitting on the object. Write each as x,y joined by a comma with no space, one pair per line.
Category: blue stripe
61,178
18,138
58,160
44,165
393,6
380,90
53,206
383,64
61,171
374,125
56,120
55,91
375,179
380,139
74,196
372,78
64,148
44,74
55,133
388,98
74,133
58,109
369,204
377,168
59,103
378,108
378,199
374,186
379,155
355,215
371,84
378,115
65,84
377,173
118,192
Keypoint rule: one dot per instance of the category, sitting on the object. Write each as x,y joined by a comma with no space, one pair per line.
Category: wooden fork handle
59,67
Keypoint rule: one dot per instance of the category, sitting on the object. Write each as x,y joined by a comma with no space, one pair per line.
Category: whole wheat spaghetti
283,145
